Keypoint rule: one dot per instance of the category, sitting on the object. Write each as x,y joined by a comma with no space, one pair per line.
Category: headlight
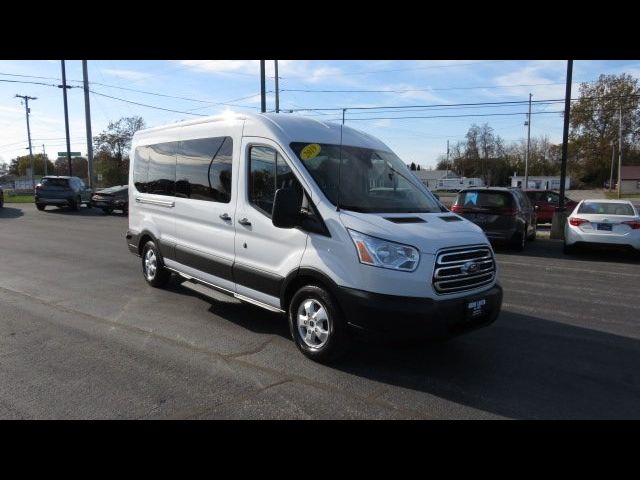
382,253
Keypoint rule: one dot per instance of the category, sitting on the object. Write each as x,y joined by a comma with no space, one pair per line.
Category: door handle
225,217
244,221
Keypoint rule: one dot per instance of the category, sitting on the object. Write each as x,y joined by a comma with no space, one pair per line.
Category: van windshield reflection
371,181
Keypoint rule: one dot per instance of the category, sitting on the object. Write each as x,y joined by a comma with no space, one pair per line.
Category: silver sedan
602,222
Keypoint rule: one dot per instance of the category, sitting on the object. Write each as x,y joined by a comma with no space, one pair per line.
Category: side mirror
286,208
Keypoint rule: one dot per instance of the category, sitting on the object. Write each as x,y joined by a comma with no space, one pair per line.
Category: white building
540,182
446,180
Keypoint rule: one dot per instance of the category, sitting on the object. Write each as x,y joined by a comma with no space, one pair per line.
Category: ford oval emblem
469,267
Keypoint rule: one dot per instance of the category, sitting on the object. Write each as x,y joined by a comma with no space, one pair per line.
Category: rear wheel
317,325
107,211
569,249
40,206
75,204
153,268
519,240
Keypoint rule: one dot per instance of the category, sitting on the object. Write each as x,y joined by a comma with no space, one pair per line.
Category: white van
315,220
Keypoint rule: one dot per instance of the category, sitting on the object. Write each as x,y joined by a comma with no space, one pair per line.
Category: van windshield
371,181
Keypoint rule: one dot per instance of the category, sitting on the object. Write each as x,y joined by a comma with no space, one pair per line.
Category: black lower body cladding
391,317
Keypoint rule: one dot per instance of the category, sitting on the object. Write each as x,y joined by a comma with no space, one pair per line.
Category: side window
162,168
203,170
141,168
268,172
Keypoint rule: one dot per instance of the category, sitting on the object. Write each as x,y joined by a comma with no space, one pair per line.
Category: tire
75,204
532,237
327,339
107,211
153,267
568,249
519,240
40,206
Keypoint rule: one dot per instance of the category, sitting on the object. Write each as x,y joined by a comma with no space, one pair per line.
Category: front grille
461,269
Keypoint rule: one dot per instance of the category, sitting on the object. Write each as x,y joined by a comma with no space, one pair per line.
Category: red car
547,202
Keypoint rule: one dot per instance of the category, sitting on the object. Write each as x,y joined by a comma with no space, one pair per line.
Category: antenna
340,162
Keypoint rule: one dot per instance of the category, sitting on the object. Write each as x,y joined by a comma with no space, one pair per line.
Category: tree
79,167
112,149
19,165
413,166
595,124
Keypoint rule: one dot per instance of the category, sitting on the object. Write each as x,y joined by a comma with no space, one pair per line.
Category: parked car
547,201
505,214
62,191
112,198
602,223
254,206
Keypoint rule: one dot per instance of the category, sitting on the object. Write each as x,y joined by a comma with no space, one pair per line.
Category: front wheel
75,204
153,267
317,325
40,206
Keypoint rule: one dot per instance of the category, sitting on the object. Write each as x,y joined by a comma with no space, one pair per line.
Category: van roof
280,126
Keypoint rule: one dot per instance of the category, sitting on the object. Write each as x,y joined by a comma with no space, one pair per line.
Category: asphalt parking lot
83,336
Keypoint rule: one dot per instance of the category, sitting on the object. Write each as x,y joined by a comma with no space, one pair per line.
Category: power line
418,89
146,105
450,116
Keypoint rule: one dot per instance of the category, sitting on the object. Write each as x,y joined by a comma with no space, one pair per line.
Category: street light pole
526,158
613,157
44,159
620,155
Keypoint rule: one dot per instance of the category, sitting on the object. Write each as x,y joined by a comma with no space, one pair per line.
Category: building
446,180
540,182
630,179
429,177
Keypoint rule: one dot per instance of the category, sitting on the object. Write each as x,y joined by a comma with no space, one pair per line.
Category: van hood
429,232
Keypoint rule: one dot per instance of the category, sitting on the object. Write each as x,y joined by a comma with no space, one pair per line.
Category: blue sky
213,86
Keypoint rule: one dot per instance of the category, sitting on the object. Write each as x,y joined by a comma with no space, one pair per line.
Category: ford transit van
315,220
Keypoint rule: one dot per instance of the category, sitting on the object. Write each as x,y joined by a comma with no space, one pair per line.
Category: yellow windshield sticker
310,151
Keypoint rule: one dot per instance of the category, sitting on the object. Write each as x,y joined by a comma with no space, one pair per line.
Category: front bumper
391,317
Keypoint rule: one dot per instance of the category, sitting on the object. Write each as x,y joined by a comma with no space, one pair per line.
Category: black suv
505,214
62,191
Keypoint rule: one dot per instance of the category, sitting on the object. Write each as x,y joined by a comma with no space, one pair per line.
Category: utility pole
277,88
613,157
26,99
526,158
560,215
620,156
44,159
66,115
87,114
263,93
447,171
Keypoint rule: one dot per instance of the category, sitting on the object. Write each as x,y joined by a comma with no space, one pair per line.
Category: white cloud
131,75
